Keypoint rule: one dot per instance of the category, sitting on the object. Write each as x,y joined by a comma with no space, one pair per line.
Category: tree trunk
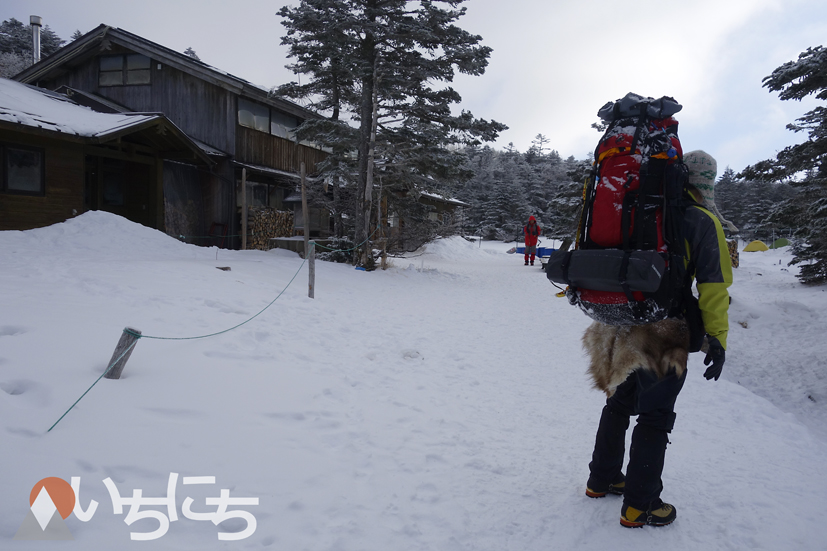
368,57
371,155
364,145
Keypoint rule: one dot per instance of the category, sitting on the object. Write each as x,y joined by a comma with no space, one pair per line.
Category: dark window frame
278,124
253,105
124,71
4,170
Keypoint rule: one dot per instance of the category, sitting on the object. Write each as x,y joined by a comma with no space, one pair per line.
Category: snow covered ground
441,404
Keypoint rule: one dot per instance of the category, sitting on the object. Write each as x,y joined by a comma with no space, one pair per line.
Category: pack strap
621,276
626,217
643,121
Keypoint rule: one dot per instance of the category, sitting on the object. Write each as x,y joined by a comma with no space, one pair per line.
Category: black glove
716,356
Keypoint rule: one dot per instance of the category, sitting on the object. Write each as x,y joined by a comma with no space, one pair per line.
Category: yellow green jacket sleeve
709,256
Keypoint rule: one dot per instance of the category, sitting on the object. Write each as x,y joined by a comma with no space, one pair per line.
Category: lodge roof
102,37
35,110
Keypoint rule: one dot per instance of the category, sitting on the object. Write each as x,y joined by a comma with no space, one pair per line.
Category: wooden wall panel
64,166
202,110
258,148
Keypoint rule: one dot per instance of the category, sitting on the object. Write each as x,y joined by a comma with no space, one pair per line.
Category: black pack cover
633,105
610,270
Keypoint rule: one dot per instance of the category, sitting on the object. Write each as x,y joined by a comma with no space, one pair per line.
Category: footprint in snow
12,330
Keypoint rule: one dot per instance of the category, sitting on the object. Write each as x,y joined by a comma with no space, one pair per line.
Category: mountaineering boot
526,262
595,489
605,469
646,457
659,514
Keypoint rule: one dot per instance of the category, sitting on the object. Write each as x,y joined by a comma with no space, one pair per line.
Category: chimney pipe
36,22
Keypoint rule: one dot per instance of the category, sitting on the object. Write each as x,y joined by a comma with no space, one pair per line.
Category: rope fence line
125,352
138,335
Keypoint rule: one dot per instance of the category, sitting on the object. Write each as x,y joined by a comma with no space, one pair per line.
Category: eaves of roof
274,172
131,124
444,199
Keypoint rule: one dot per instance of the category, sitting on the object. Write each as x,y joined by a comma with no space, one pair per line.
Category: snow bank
108,235
394,411
457,248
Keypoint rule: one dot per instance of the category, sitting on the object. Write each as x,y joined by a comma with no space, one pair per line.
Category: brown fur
616,351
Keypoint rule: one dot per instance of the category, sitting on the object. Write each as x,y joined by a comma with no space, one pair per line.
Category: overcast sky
554,63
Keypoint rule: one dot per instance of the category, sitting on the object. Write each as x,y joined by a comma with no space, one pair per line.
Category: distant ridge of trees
16,46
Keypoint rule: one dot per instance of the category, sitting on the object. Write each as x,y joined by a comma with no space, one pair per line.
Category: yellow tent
756,246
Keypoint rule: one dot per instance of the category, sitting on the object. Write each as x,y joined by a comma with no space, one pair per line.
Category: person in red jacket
531,231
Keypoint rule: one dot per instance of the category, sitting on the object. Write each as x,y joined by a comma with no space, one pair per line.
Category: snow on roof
274,171
443,198
37,108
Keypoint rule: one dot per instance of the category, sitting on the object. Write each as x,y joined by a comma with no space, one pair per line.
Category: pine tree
728,198
16,46
190,52
804,165
17,37
380,61
749,204
12,63
505,189
567,200
506,210
538,144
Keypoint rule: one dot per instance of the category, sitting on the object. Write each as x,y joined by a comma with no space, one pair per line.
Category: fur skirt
616,351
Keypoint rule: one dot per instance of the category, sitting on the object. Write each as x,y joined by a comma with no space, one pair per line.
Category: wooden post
311,270
309,252
305,215
126,343
243,209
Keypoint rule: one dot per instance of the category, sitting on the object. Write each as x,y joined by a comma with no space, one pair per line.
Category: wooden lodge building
177,166
61,159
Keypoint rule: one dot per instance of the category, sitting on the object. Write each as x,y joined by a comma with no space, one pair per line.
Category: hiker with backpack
531,233
640,246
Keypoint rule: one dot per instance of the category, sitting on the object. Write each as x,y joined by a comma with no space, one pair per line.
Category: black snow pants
653,401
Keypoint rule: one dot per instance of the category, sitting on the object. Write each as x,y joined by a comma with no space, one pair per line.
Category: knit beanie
702,171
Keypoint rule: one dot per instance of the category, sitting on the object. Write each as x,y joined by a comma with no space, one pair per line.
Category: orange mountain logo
50,502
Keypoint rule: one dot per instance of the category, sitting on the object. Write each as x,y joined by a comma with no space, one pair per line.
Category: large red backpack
627,267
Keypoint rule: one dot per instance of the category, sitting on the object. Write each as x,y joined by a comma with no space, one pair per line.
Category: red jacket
531,232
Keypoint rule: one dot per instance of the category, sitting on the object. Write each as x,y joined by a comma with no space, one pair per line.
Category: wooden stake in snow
311,270
122,352
243,209
309,252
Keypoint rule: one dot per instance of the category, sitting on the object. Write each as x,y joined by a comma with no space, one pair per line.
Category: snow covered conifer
805,164
382,63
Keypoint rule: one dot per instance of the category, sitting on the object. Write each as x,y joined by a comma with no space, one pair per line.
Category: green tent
756,246
780,242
